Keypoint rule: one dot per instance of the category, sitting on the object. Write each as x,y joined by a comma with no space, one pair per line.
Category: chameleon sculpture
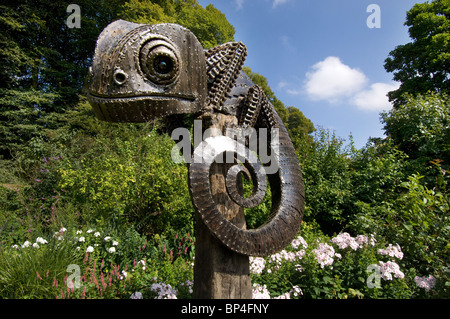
142,72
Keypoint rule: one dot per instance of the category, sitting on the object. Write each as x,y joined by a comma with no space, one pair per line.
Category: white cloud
276,3
282,84
287,43
239,4
290,88
375,98
332,80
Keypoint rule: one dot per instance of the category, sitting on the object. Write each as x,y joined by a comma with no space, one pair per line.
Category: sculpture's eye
159,62
163,64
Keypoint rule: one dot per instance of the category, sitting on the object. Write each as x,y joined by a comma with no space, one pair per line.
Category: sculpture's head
142,72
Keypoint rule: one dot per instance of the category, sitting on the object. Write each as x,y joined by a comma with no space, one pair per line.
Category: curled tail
286,182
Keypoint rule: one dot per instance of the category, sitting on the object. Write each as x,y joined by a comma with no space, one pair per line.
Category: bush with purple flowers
317,266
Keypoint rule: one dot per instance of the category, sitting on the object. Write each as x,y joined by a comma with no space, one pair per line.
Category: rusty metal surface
141,72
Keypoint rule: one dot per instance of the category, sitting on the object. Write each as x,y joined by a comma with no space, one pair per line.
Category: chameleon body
142,72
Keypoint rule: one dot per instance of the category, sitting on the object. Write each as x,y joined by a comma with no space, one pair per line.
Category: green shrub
328,183
23,270
132,180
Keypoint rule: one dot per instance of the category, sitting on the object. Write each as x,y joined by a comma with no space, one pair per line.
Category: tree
298,126
327,175
423,65
208,24
421,128
43,64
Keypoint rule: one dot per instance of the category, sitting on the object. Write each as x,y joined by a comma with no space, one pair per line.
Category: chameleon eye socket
159,62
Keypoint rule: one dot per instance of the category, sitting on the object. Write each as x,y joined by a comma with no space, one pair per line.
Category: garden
96,210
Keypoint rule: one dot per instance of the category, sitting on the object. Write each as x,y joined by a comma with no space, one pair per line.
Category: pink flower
324,254
390,268
260,292
392,251
299,241
426,283
344,240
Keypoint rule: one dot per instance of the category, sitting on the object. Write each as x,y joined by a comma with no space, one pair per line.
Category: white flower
112,250
78,248
297,291
298,268
81,239
115,243
286,295
15,246
35,245
257,265
41,240
58,235
62,230
96,234
89,231
299,241
142,262
90,249
79,232
26,244
260,292
136,295
107,238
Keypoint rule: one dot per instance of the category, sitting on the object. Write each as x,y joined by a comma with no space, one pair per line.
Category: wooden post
220,273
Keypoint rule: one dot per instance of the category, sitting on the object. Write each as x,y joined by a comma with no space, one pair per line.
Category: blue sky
321,57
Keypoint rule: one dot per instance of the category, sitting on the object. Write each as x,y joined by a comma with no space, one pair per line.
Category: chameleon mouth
142,108
147,98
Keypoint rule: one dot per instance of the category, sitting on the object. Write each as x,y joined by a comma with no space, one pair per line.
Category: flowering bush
90,263
315,266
